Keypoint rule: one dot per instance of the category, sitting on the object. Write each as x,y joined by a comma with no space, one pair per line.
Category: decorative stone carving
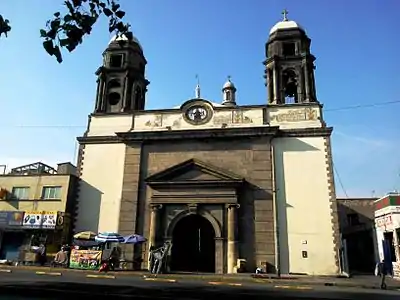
192,207
177,122
296,115
155,207
155,122
239,118
221,118
232,205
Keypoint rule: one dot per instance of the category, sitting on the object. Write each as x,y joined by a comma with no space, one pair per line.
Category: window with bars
51,192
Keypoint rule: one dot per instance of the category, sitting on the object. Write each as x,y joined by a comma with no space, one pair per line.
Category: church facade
221,181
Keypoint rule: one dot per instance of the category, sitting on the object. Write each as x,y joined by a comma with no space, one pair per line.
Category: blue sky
45,105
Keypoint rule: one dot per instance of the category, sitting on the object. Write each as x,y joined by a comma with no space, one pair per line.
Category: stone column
306,81
153,223
270,83
102,94
98,81
276,85
232,251
125,94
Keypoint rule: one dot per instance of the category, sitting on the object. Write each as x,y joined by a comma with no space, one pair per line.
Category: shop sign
11,218
85,259
40,219
384,221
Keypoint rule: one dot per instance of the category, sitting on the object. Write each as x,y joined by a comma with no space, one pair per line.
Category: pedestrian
382,272
42,254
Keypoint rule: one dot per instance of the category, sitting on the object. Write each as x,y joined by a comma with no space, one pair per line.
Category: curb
100,276
5,270
49,273
210,279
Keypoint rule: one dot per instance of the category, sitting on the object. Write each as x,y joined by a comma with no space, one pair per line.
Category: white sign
40,219
49,220
384,221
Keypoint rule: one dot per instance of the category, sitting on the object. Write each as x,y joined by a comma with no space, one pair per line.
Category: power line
361,106
340,180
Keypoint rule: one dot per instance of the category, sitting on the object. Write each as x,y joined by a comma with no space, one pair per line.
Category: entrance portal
193,245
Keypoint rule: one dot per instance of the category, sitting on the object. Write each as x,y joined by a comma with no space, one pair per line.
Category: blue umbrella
109,237
134,239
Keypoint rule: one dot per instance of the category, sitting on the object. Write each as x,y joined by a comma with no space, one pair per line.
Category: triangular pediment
193,170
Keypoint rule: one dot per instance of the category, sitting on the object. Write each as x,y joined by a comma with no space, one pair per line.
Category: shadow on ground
66,290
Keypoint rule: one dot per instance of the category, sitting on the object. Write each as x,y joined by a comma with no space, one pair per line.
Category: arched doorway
193,245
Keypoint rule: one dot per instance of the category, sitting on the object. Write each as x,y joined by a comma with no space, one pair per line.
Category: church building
222,181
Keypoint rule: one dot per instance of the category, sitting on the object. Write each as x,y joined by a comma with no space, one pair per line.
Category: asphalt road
24,285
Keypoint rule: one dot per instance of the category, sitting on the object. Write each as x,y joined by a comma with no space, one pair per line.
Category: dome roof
285,24
123,37
229,84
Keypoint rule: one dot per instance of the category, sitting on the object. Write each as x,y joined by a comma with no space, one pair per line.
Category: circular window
198,114
114,98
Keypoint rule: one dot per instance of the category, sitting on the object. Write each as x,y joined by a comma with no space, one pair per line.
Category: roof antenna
197,90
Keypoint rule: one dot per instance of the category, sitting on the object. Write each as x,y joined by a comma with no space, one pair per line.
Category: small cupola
229,93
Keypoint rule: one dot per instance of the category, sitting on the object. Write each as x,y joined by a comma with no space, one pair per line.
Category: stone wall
248,158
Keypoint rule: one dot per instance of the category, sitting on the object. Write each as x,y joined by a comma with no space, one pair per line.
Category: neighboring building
357,228
387,223
36,202
221,181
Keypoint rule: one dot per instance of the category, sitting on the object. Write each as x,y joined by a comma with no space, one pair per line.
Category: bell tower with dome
121,83
289,64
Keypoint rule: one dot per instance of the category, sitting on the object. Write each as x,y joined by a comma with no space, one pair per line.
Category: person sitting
61,259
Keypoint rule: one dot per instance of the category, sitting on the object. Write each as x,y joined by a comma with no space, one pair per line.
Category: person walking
382,272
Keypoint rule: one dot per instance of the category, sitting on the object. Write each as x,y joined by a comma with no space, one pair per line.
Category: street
24,284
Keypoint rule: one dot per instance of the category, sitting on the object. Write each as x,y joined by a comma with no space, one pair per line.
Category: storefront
387,224
11,234
30,229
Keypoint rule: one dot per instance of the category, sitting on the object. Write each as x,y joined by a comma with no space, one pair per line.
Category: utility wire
361,106
340,180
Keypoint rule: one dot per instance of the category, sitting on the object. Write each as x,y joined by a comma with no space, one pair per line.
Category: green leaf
64,42
77,3
57,54
68,18
107,12
48,46
115,7
120,14
43,33
69,6
57,14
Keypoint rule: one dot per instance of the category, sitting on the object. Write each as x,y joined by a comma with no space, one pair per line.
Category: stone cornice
212,133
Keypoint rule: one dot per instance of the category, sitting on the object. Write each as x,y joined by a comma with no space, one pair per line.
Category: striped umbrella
85,235
134,239
109,237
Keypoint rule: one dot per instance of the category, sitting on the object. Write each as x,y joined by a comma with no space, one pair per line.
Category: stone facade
250,159
252,172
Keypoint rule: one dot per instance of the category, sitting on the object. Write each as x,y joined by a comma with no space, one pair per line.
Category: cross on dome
285,13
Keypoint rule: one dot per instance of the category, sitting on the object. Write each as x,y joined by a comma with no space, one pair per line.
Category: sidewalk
366,282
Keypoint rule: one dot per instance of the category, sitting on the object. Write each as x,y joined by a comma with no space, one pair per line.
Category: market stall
86,255
85,252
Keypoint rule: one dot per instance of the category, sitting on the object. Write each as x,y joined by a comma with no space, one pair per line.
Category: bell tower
289,64
121,82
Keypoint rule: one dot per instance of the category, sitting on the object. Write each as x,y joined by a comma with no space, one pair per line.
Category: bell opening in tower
289,49
114,98
290,83
116,60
